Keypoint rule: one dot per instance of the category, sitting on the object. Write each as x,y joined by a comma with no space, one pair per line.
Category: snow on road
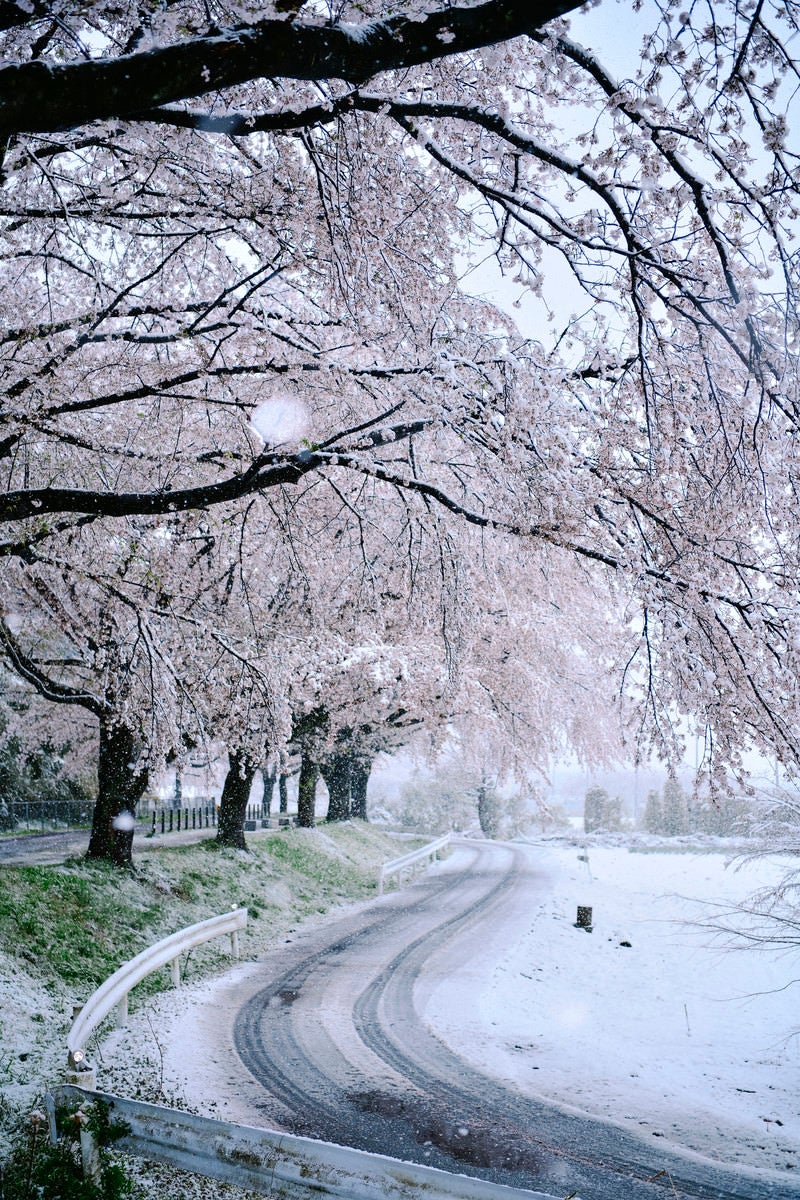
668,1035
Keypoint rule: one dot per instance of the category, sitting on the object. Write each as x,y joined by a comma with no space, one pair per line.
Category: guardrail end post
380,883
235,943
80,1072
175,966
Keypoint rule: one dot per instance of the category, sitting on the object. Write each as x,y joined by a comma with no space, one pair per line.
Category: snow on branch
48,96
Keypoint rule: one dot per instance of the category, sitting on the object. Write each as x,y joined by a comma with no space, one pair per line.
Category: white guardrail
397,865
280,1164
114,991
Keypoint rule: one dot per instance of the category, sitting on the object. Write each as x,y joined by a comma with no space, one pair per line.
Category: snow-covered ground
668,1035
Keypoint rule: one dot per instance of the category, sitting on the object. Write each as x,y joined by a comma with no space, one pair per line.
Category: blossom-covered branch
45,96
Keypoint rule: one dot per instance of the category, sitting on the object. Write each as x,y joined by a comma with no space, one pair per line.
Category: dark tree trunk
307,792
268,775
335,770
359,778
283,792
119,790
487,810
233,802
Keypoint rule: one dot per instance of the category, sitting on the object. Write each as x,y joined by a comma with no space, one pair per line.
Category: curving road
336,1040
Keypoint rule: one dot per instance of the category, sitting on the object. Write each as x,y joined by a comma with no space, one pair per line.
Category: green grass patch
307,857
73,922
79,921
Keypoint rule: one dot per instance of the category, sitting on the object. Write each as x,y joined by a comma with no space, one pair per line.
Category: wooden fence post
584,920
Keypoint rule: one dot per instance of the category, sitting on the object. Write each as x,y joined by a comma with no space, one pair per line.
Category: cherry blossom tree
206,212
366,601
542,663
47,754
377,696
134,629
94,666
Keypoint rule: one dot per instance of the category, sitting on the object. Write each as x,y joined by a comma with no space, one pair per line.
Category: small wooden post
584,920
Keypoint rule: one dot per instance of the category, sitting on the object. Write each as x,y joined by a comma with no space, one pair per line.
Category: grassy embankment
64,929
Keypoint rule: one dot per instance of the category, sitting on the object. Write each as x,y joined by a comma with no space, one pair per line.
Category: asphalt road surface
56,847
336,1040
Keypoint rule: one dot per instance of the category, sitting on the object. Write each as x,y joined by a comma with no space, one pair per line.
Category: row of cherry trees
273,475
277,644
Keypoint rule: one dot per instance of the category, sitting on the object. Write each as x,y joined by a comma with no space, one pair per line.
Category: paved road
335,1038
57,847
44,848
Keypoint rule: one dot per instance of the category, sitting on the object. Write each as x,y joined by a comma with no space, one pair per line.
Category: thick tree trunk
233,802
487,810
335,770
307,792
119,790
283,793
359,778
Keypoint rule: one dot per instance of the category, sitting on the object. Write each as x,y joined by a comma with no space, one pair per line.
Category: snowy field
668,1035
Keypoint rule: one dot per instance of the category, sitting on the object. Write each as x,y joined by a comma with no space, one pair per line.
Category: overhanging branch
41,96
32,673
267,471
